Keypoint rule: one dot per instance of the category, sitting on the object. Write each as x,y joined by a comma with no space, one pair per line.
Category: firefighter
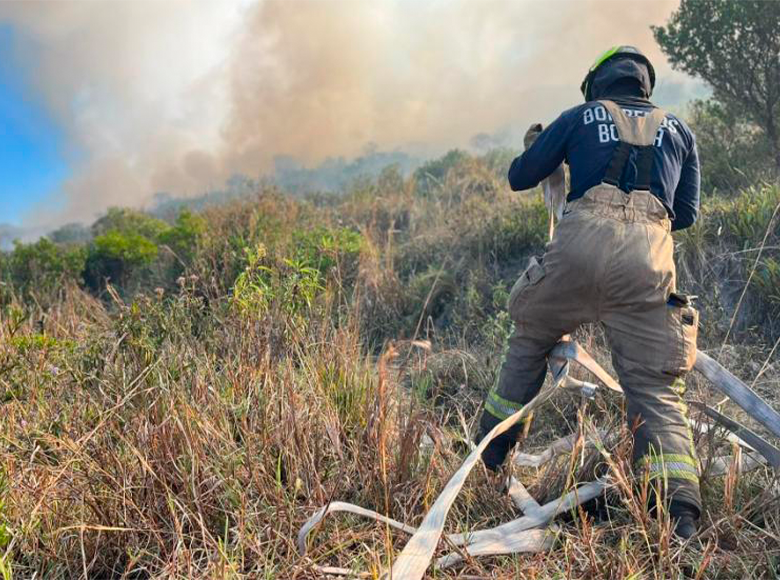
634,179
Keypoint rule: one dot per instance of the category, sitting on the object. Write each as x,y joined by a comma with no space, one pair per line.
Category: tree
130,222
734,46
43,265
116,256
70,234
734,153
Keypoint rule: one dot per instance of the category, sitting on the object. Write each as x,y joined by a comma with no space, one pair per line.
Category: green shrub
324,248
43,265
116,256
252,291
133,249
26,343
741,222
183,238
431,174
766,282
180,245
287,286
748,217
129,222
716,256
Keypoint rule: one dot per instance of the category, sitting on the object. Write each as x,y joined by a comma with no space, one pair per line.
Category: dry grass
179,434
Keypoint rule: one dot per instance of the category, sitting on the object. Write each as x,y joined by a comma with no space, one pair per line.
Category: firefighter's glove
530,136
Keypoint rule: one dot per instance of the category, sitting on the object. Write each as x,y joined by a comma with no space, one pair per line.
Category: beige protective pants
610,261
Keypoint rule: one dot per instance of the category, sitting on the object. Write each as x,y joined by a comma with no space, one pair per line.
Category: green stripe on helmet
600,60
620,50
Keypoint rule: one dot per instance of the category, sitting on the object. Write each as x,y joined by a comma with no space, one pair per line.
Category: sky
106,102
31,158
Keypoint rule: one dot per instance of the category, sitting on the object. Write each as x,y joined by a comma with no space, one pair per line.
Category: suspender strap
635,134
617,163
644,168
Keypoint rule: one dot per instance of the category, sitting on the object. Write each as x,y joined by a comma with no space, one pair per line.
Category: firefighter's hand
531,135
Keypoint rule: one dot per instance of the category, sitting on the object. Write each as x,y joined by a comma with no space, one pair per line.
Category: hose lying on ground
530,533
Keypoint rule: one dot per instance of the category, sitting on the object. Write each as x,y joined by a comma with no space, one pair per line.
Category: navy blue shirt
585,137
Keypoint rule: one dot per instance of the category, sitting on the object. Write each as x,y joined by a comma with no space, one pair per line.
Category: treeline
136,251
125,247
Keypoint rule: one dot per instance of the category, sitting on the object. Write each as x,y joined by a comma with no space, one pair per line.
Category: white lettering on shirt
587,117
608,132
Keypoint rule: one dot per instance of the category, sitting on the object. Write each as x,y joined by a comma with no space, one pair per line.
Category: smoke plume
178,95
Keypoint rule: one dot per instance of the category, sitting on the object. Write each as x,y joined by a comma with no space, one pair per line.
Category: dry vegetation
188,431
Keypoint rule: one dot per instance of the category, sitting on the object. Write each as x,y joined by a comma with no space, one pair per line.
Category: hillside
247,364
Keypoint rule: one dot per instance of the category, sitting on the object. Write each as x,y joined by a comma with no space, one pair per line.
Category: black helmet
613,53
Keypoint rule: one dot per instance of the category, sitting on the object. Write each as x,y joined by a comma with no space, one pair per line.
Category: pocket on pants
683,326
529,278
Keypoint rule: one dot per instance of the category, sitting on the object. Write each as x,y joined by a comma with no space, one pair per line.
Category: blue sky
32,164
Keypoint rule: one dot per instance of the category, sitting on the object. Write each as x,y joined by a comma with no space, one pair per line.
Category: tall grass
334,349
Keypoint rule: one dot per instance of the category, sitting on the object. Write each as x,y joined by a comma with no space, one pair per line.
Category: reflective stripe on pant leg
495,404
522,372
500,407
670,466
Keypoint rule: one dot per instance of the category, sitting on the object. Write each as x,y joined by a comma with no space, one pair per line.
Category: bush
116,257
716,256
766,282
43,266
289,287
733,152
431,174
325,248
741,221
129,222
183,240
127,247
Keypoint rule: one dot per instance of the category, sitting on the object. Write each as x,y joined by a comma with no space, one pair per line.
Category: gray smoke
178,95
